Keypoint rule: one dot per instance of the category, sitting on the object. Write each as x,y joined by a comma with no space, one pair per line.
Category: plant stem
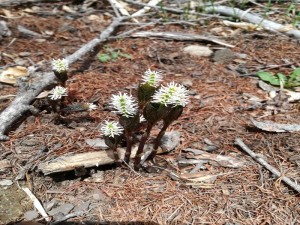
128,147
116,156
139,152
158,141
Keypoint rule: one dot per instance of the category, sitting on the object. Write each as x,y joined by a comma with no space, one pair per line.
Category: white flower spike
172,94
153,78
58,92
91,106
111,129
124,104
60,65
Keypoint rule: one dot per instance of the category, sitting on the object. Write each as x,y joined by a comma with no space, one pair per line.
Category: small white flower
111,129
153,78
91,106
60,65
58,92
124,104
172,94
142,119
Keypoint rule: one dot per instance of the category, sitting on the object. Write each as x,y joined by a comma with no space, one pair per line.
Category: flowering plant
154,103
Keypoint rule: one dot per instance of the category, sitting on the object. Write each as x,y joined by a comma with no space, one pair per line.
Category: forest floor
219,112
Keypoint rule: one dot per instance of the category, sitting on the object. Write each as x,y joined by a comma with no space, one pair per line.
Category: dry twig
261,161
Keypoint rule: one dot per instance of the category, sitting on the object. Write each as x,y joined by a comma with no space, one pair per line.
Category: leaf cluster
111,54
293,80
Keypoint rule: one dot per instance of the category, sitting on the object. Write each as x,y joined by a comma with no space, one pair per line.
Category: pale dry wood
146,8
252,18
9,3
86,160
180,37
21,104
262,162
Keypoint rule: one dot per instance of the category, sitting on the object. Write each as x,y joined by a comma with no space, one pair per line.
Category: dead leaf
11,75
68,9
217,160
43,94
242,25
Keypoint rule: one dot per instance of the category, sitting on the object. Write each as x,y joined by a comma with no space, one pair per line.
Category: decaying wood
261,161
86,160
8,3
180,37
21,104
251,18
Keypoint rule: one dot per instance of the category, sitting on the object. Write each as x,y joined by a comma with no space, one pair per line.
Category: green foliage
293,80
111,54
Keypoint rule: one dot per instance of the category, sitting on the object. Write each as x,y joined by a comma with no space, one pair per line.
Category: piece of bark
21,104
276,127
262,162
180,37
252,18
86,160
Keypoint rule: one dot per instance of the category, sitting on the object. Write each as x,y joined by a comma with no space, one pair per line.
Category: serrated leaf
104,58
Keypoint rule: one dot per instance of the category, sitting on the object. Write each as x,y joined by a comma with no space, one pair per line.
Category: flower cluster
155,103
153,78
60,65
111,129
57,93
124,105
172,94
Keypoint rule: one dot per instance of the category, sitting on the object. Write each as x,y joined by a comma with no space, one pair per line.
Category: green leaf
114,55
125,55
282,78
269,77
104,57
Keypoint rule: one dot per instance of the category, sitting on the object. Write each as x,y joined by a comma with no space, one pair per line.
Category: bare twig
261,161
180,37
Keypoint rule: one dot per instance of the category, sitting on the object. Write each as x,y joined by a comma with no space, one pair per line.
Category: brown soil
218,111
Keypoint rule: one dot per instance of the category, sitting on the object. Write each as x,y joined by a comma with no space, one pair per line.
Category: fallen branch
86,160
21,104
261,161
245,16
180,37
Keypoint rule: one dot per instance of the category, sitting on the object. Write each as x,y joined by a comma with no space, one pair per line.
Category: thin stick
261,161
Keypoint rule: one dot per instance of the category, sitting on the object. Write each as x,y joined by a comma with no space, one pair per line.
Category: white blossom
111,129
60,65
58,92
153,78
124,104
91,106
172,94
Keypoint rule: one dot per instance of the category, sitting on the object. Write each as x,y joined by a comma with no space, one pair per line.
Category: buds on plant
172,94
151,80
57,93
124,105
111,129
60,68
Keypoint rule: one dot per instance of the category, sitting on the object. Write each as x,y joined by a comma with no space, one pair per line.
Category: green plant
154,103
111,54
293,80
